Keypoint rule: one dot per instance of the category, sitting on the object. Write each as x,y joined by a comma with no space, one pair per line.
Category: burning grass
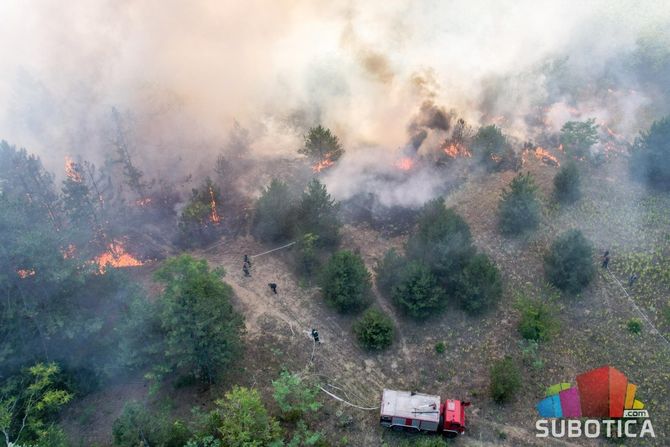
116,257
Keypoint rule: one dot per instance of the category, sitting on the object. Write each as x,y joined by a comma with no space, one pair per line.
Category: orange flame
72,170
323,164
404,164
214,215
456,150
117,257
25,273
69,252
546,156
143,202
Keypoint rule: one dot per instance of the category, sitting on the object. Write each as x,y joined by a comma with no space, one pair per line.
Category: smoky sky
186,74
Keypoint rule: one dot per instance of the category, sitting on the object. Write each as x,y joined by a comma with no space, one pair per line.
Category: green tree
505,380
294,396
29,403
569,263
307,258
317,214
417,292
442,240
650,160
136,426
491,147
321,144
480,286
519,208
538,321
345,282
388,270
577,137
567,183
273,219
202,330
200,220
374,330
243,421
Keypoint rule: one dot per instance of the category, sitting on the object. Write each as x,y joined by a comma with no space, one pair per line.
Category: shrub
519,207
321,144
345,282
634,326
374,330
442,241
242,420
388,270
480,285
273,217
137,426
200,220
294,396
505,380
650,161
440,347
417,292
578,137
537,322
307,259
491,147
569,264
317,214
567,184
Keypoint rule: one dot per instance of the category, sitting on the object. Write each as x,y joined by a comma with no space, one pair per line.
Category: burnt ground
614,214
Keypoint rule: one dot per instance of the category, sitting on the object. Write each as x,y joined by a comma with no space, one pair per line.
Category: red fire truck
410,411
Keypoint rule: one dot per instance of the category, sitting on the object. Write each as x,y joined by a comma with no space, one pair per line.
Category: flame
117,257
72,170
25,273
404,164
320,166
143,202
546,156
457,150
214,215
68,253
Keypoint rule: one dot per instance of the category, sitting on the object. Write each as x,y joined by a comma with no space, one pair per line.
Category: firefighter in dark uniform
273,287
315,336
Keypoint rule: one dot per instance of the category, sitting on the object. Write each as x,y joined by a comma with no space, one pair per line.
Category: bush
273,218
417,292
294,396
345,282
578,137
374,330
505,380
519,208
200,220
242,420
537,322
388,270
491,147
650,161
440,347
321,144
480,286
307,259
442,241
567,184
317,214
137,426
569,264
634,326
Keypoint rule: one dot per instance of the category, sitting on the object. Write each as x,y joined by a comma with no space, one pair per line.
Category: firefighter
273,287
315,336
245,269
606,259
632,280
247,260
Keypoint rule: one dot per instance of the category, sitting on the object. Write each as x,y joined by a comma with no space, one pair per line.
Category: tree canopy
321,144
317,215
567,183
418,292
345,282
577,137
650,160
202,330
569,263
519,208
492,147
274,216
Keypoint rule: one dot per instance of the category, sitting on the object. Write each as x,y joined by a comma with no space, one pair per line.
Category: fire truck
415,412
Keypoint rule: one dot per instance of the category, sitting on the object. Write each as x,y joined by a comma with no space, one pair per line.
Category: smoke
386,77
